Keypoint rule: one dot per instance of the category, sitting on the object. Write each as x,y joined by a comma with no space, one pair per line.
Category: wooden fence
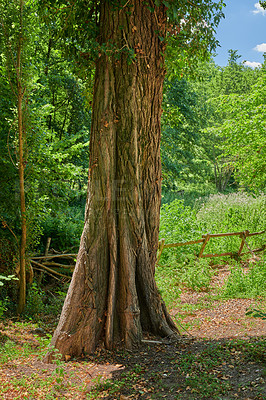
205,239
61,265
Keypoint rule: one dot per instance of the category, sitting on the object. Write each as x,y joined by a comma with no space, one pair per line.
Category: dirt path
219,319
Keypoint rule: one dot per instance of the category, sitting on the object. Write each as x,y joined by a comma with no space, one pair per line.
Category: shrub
40,302
197,275
64,227
4,301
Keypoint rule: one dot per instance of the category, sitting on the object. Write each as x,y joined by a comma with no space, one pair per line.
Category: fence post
207,237
242,236
246,233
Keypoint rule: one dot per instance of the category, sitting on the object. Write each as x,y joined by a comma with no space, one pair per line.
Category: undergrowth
243,283
235,212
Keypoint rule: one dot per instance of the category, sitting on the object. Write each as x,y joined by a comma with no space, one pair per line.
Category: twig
5,225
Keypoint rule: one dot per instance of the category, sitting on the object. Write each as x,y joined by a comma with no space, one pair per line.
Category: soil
221,354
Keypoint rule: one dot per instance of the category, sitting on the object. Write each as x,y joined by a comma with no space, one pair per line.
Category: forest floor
221,354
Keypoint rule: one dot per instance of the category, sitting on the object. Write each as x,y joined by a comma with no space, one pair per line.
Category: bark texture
21,167
113,294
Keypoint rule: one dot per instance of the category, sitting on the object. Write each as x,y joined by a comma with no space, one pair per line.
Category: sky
243,29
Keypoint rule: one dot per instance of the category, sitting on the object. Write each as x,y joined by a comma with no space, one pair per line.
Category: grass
219,213
23,351
246,284
197,276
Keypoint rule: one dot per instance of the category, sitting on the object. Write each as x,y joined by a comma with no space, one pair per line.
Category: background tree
243,133
212,81
13,36
184,116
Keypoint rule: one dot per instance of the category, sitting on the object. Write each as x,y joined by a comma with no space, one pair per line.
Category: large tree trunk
113,294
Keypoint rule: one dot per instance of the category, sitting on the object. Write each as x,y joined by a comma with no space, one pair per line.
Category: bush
197,275
65,229
168,281
40,302
4,301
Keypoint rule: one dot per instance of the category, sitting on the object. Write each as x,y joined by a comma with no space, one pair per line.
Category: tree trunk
113,295
20,94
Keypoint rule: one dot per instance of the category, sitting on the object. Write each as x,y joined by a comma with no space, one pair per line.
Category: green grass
246,284
219,213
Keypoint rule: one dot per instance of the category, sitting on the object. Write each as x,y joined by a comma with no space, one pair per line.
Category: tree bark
113,295
20,94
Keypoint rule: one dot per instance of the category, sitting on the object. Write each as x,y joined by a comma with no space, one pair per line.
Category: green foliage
243,131
3,307
35,301
40,302
64,227
192,37
7,278
12,351
56,120
246,284
235,212
196,275
184,115
177,224
213,81
4,302
168,279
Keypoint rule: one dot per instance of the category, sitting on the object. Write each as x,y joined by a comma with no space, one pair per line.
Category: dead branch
50,270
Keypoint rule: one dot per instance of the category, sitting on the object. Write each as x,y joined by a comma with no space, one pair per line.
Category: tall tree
113,294
13,37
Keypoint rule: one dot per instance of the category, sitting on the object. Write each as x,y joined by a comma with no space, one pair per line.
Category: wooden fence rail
205,239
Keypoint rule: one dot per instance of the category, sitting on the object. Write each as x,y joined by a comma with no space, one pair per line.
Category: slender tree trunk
20,94
113,295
